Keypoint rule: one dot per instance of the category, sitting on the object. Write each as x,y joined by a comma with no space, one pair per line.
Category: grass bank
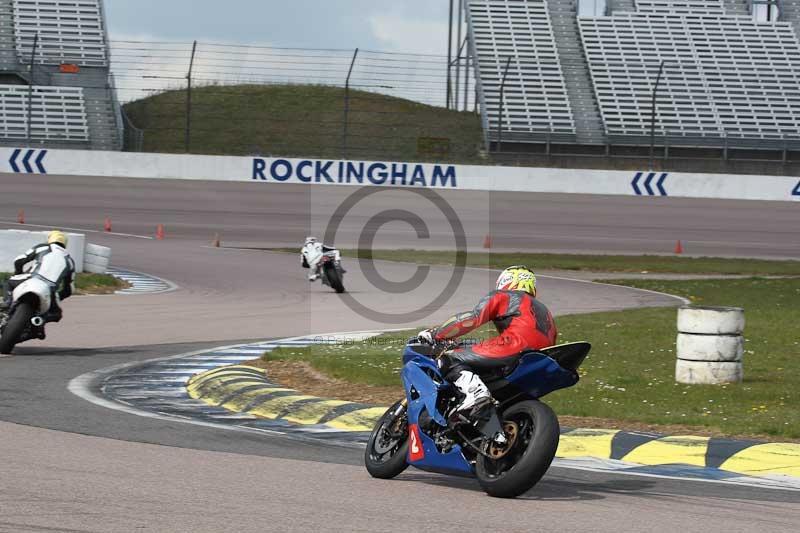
628,378
86,283
303,121
587,263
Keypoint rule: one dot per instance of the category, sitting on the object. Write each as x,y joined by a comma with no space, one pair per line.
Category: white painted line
84,230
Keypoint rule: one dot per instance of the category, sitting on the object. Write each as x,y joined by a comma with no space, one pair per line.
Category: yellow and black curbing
246,389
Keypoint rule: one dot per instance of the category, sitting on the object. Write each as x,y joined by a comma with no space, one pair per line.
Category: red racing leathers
522,321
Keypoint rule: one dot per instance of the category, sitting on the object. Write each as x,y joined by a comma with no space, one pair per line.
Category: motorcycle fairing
38,288
538,375
422,394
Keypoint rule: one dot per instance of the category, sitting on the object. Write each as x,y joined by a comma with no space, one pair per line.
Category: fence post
188,139
347,105
30,89
466,74
500,114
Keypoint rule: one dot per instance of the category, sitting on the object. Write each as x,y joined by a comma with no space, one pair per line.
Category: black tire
530,456
334,278
16,326
393,462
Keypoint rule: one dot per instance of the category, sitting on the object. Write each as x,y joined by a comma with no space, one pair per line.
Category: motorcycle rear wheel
530,455
392,462
16,326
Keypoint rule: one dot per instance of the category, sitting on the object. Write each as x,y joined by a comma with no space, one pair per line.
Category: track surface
277,214
95,469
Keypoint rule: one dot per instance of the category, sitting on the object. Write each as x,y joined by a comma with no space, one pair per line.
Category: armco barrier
398,174
16,242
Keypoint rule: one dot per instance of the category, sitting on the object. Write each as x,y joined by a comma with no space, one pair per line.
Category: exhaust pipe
37,321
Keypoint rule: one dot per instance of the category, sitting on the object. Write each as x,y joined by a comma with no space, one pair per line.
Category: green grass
629,375
301,121
587,263
86,283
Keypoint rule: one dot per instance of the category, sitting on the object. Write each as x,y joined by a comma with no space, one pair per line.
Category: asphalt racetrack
70,465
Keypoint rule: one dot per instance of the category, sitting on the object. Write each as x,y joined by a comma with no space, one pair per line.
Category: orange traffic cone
215,243
678,248
21,216
160,232
487,241
107,224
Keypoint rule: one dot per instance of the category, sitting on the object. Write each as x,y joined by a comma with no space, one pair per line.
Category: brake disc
496,451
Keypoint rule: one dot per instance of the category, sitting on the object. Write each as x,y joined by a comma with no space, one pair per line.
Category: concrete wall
16,242
272,171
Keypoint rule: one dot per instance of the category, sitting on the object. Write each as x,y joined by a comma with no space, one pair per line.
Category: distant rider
50,263
311,254
522,321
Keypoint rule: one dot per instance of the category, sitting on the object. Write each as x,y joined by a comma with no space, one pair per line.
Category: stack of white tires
96,259
710,345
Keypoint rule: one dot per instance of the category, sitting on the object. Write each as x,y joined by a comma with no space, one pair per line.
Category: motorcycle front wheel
533,446
16,327
334,278
387,449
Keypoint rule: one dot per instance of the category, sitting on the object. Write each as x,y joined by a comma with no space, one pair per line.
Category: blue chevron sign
26,161
647,184
796,191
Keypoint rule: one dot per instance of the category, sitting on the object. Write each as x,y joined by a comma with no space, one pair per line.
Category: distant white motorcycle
325,264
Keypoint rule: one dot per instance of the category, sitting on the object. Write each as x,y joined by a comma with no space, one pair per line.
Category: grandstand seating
70,31
724,76
535,98
692,7
73,107
59,113
728,80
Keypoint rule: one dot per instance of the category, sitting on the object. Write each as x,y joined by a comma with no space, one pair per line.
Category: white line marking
8,222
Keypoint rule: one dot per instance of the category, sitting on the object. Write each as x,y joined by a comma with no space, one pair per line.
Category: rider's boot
476,394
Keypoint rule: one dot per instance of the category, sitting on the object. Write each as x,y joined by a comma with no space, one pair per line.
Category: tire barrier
710,346
96,259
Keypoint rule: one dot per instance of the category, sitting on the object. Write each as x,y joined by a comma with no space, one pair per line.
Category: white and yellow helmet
57,237
517,278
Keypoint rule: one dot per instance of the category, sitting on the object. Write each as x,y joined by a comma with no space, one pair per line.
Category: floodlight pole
653,114
449,54
30,89
458,59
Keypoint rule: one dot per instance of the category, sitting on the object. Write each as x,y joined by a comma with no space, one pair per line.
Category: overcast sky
418,26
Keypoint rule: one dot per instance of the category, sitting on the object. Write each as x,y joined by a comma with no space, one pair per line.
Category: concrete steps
586,113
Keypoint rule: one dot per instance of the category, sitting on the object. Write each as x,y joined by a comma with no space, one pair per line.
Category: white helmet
309,240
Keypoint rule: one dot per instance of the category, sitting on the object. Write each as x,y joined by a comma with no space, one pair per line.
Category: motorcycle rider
51,264
311,254
522,321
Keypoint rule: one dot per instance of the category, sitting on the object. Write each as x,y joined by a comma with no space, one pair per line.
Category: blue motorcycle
425,431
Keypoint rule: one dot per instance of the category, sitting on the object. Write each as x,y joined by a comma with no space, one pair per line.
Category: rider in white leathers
311,254
51,265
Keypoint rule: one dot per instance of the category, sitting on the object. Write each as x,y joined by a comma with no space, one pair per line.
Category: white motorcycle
328,263
32,307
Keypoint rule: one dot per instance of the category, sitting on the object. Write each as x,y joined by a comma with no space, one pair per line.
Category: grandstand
731,77
70,89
